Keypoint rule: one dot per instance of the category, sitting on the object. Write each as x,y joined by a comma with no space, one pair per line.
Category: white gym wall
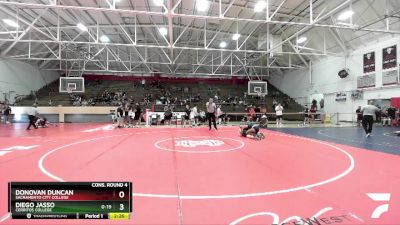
20,78
325,79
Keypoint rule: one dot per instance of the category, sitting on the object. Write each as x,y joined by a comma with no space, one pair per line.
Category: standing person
306,116
313,111
211,110
32,112
167,115
186,117
131,115
120,116
274,103
194,115
219,115
368,112
126,114
2,108
138,116
391,111
7,114
279,115
359,116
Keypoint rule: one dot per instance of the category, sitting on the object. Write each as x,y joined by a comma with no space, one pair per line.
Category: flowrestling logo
196,143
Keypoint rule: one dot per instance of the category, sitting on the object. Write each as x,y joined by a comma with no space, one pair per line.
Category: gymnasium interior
272,112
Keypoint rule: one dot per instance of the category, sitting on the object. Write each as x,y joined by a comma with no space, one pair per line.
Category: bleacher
134,89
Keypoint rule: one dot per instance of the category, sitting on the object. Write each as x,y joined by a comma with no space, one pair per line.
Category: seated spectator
313,111
84,103
202,116
386,120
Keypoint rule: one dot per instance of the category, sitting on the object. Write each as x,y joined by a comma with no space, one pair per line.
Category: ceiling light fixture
223,44
301,40
163,31
345,15
82,27
10,23
202,5
260,6
235,37
158,2
104,39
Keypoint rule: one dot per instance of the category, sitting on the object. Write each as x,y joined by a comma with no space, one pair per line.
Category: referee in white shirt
211,110
32,112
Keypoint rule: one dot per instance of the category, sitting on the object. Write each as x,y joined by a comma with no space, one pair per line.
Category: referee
211,110
32,112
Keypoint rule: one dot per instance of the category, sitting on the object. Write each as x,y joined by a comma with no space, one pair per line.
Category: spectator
385,118
194,115
186,117
84,102
120,116
279,115
391,111
7,113
143,83
378,114
167,116
359,116
219,115
313,111
202,116
138,116
127,118
306,114
274,103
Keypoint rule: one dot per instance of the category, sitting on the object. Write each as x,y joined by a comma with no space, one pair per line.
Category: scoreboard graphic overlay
70,200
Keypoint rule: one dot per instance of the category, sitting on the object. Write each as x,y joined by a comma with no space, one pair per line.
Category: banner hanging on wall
368,80
369,62
389,57
390,77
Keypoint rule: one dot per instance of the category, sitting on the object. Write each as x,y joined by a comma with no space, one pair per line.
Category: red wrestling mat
196,176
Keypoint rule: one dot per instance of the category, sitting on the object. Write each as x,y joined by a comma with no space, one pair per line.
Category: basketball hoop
69,90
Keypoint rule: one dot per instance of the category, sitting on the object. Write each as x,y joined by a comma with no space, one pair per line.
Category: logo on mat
379,197
192,143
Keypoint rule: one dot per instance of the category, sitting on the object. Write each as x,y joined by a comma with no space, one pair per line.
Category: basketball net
69,90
